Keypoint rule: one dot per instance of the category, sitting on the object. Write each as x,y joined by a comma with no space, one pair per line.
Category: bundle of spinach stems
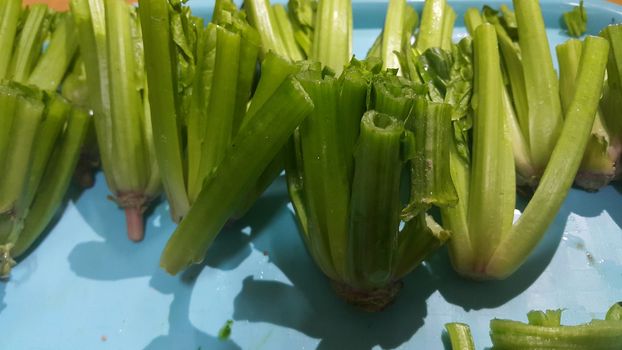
210,114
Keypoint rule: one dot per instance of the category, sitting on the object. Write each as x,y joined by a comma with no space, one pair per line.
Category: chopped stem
460,246
57,179
324,157
126,106
217,123
472,19
492,195
598,166
9,19
159,63
434,27
47,137
286,32
53,64
460,336
392,34
544,108
431,182
559,174
261,16
247,158
420,238
332,41
28,47
28,114
89,16
602,335
375,203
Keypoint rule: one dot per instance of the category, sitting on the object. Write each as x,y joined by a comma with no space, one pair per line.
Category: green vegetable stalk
437,24
274,113
576,20
611,102
401,20
75,89
460,336
545,330
46,136
345,167
111,47
200,80
531,88
598,167
486,243
40,133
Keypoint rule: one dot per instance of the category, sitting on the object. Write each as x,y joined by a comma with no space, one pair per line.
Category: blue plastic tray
87,287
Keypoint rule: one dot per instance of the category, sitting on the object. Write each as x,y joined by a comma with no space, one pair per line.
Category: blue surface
87,287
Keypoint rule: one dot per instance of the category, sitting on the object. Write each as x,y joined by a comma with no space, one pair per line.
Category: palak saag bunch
40,132
214,143
497,149
348,160
111,48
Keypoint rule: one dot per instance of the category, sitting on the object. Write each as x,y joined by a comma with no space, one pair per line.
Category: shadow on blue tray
117,258
320,314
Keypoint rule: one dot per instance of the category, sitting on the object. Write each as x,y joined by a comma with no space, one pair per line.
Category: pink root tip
135,224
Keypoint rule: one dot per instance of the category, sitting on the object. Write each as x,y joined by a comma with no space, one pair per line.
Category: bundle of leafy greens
40,132
486,243
545,331
112,50
348,160
200,82
213,144
539,99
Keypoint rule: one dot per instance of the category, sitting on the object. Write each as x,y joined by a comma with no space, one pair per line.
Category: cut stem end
135,224
374,300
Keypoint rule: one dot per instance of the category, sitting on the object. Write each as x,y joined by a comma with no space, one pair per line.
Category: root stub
134,205
135,224
374,300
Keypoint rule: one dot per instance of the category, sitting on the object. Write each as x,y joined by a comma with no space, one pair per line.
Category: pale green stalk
60,52
165,114
28,114
9,18
460,336
492,195
28,46
516,246
246,160
332,41
544,107
392,38
57,179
